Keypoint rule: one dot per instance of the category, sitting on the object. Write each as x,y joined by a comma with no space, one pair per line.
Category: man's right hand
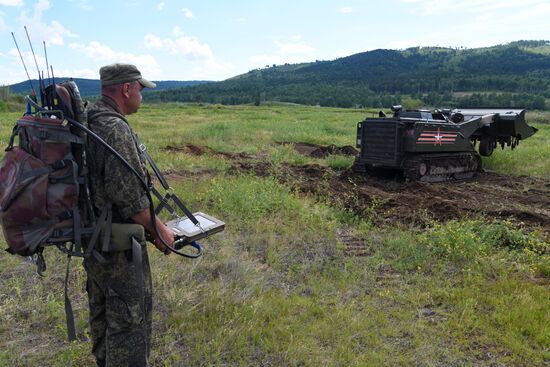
167,235
144,218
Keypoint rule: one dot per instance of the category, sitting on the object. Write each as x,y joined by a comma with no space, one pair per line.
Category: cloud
28,59
102,54
177,32
77,73
189,47
449,7
11,2
197,58
53,33
83,4
188,13
345,10
287,52
293,48
2,23
161,5
211,70
478,23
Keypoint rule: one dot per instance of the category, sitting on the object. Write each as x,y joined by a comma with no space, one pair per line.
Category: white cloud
287,52
196,57
187,46
83,4
211,70
478,23
103,54
52,33
2,23
161,5
188,13
77,73
293,48
28,59
345,10
450,7
268,60
240,19
177,32
11,2
342,53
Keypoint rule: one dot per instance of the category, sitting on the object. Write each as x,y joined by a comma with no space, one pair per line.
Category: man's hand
167,235
144,218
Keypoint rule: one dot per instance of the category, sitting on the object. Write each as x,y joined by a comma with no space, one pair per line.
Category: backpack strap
69,316
137,260
14,133
48,134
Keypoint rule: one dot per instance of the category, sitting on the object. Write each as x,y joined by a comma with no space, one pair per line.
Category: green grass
276,288
531,157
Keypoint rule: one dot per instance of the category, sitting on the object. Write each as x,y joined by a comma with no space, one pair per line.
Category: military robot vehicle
437,145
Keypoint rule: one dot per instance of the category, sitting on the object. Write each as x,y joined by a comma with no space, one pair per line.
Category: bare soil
390,199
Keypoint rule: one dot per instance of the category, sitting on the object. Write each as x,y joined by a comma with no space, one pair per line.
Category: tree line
507,75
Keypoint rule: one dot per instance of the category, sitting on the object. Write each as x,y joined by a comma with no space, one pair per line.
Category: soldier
120,298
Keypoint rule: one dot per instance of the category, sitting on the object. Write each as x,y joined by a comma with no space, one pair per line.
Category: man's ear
126,90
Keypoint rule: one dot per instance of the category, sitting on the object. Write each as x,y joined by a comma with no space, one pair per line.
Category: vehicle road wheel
486,146
422,169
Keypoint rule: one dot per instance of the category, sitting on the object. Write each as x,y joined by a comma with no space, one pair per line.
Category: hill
90,87
514,74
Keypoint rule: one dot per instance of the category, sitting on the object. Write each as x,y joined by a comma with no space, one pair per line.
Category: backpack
44,196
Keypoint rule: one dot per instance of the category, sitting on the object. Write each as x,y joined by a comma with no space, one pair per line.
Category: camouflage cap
122,73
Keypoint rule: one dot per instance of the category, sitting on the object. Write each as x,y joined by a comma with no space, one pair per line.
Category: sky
216,40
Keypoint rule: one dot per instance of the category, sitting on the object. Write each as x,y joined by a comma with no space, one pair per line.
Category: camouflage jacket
110,180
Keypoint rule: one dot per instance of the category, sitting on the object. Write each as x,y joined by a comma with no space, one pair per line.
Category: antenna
40,80
52,86
25,66
47,65
54,90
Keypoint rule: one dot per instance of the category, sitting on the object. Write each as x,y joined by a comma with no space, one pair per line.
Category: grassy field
276,288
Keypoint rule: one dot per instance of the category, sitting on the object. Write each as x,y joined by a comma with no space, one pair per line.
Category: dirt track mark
392,200
321,151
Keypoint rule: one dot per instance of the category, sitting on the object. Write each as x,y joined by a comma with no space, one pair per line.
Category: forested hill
515,74
91,87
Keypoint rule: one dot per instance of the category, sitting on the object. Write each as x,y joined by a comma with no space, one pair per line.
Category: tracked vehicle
437,145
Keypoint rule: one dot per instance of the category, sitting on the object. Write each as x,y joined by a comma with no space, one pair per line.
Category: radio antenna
49,100
47,65
25,66
40,81
54,90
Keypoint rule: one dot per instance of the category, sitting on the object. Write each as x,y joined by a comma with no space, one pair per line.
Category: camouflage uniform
120,320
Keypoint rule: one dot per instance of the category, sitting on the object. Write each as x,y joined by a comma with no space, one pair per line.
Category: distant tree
410,103
4,93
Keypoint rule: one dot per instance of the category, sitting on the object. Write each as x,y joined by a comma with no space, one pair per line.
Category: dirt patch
393,200
524,199
321,151
199,151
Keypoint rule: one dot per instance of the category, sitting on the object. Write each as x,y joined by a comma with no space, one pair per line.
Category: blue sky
215,40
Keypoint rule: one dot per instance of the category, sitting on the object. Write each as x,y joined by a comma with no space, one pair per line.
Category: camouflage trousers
120,319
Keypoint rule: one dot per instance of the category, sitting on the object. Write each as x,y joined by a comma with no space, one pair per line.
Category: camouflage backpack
44,195
43,186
